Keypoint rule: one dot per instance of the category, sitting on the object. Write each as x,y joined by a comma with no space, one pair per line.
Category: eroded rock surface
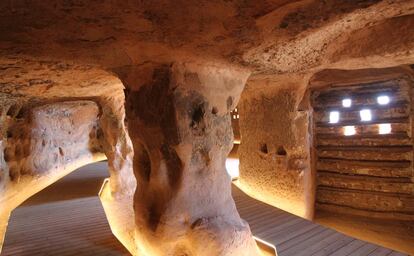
181,131
275,148
74,50
267,36
53,125
43,143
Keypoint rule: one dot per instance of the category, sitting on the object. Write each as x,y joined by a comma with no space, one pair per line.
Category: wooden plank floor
294,236
68,219
73,227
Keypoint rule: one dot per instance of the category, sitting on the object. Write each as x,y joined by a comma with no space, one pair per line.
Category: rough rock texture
275,148
53,135
57,109
275,116
68,50
181,131
44,143
267,36
306,41
24,80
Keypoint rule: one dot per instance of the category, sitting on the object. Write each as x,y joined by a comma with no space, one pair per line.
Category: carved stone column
179,123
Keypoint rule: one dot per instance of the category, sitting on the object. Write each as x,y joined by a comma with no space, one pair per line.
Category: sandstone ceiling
89,49
267,36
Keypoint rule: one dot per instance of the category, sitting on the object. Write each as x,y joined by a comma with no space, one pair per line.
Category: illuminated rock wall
55,117
74,50
275,147
179,123
43,143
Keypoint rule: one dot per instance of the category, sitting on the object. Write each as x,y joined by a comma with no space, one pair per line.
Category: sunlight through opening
365,115
383,100
384,128
346,103
334,117
349,130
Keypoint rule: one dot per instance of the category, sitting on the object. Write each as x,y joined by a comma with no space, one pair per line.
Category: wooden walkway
294,236
56,222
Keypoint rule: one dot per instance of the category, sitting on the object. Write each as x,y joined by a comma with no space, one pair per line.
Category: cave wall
42,138
42,143
51,136
55,117
368,174
69,52
277,151
275,146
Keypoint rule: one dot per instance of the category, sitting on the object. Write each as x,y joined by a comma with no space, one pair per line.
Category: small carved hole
143,162
10,111
198,114
229,102
281,151
214,111
20,114
61,152
263,148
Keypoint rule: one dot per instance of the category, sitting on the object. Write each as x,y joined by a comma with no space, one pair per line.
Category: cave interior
225,127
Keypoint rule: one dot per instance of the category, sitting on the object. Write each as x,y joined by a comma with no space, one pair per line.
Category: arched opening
64,218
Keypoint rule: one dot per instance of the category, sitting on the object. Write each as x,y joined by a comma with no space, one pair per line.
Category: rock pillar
179,123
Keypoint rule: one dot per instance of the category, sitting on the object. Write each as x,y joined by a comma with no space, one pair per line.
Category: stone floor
68,219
